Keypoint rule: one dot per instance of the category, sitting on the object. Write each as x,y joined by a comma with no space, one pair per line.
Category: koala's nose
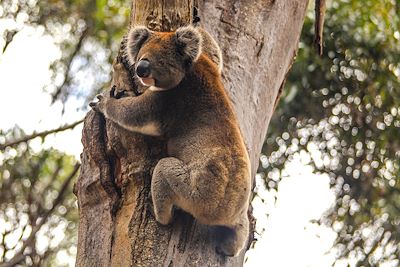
143,68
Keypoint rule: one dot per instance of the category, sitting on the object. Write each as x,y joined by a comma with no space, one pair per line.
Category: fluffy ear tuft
137,36
189,42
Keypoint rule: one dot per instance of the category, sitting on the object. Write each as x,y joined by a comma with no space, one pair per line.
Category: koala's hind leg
231,240
171,185
167,173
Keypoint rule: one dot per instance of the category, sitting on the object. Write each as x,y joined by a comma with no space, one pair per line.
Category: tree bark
259,40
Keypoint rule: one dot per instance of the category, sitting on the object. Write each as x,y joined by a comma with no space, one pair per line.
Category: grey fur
191,42
136,38
211,48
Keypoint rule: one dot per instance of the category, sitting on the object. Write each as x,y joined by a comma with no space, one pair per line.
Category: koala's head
161,59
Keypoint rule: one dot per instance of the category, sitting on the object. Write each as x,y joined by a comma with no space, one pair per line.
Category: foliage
84,32
343,111
38,212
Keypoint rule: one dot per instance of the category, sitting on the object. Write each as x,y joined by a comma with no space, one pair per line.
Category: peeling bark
116,227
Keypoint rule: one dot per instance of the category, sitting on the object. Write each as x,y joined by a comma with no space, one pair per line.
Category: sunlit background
327,191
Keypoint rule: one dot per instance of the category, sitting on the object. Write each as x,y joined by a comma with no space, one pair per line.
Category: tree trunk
259,41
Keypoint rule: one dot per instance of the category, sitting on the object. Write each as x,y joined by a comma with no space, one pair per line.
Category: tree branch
78,47
49,185
9,37
41,134
20,255
320,7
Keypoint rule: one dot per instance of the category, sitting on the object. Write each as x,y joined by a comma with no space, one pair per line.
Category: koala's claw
219,250
93,104
112,91
121,94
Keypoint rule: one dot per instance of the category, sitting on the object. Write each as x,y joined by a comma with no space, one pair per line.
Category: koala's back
202,109
205,136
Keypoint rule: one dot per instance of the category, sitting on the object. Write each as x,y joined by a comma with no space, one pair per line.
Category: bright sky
24,70
290,239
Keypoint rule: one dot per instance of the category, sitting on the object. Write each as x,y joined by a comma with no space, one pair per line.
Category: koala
210,48
207,171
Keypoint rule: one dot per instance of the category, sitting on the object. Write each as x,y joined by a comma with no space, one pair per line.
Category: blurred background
328,192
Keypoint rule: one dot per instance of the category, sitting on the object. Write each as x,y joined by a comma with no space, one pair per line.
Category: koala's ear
137,36
189,42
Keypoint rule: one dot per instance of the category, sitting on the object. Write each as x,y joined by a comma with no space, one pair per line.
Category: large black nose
143,68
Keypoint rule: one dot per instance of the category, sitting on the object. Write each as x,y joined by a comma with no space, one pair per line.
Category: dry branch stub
167,15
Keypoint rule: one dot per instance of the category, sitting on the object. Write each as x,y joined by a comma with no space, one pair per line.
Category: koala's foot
162,194
225,251
162,202
226,242
232,240
163,215
169,183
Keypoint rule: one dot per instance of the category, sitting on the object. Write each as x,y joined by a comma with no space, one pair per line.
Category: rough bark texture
259,41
